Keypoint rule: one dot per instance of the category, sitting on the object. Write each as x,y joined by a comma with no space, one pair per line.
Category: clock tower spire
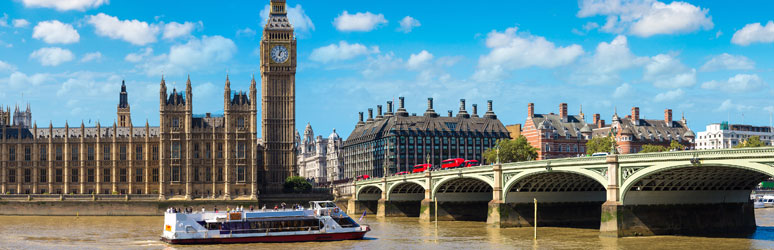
278,93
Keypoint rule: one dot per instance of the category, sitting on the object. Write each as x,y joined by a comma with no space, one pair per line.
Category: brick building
632,132
557,135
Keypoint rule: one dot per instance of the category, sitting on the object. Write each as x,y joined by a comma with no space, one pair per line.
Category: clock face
279,54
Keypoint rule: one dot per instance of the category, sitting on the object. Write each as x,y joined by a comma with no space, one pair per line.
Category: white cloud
622,91
196,54
4,20
245,32
94,56
669,95
728,105
419,60
407,24
174,29
52,56
510,51
754,33
340,52
4,66
19,80
358,22
666,71
608,60
381,64
647,17
20,23
132,31
728,61
137,57
296,15
64,5
737,83
55,32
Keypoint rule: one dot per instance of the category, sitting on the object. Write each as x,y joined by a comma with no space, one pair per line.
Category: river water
103,232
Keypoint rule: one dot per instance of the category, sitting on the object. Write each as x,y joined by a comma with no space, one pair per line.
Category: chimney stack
450,113
668,117
563,111
475,110
596,120
489,113
389,109
462,112
360,121
430,112
379,112
636,115
401,107
370,115
530,110
601,123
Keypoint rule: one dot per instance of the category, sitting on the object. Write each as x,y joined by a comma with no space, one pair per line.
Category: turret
162,93
188,95
227,95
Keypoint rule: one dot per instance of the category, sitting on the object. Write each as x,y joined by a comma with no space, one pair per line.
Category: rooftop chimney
450,113
475,110
563,111
489,112
379,112
370,116
530,110
389,109
601,123
430,112
360,121
462,112
668,117
636,115
401,108
596,120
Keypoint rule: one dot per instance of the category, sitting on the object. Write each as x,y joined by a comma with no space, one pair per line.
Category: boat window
346,222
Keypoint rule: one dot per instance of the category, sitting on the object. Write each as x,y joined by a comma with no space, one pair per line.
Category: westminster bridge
684,192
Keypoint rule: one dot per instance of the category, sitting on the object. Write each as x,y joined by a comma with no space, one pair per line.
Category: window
58,175
11,175
42,175
122,152
106,153
74,175
155,150
138,175
73,153
207,151
196,150
155,173
175,150
122,175
241,174
220,173
176,173
241,122
175,122
240,150
220,150
27,153
43,153
27,175
106,175
138,153
11,153
90,175
207,174
90,153
196,174
451,125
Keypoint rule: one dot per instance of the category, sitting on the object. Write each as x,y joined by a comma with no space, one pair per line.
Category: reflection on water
56,232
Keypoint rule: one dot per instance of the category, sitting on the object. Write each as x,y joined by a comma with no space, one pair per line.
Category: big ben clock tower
278,96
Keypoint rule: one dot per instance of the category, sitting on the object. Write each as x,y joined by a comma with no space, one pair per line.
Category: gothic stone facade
318,158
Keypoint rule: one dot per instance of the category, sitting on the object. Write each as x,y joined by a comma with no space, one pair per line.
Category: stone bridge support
427,205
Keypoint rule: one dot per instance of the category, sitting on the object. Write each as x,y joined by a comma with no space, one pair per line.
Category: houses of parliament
186,156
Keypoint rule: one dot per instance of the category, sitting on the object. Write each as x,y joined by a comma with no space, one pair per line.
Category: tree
515,150
752,142
599,144
296,184
675,146
650,148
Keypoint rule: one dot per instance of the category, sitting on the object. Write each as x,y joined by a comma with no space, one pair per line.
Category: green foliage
599,144
296,184
752,142
511,151
675,146
650,148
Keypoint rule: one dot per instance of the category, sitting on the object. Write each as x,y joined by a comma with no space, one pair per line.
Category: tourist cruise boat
322,221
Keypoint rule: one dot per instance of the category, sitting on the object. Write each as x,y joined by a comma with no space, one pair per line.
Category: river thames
103,232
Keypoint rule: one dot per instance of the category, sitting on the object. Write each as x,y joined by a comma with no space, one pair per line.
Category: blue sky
710,59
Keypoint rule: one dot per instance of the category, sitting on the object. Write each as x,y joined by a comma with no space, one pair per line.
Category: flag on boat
361,217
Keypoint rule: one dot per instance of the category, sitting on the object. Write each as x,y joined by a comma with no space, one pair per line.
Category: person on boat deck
264,207
202,209
216,209
228,209
275,207
251,208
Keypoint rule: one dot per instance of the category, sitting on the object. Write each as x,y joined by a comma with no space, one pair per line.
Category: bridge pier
398,208
355,207
565,214
678,219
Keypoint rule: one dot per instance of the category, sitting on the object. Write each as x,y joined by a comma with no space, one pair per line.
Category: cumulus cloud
4,20
296,15
54,31
94,56
65,5
669,95
358,22
754,33
132,31
340,52
728,105
196,54
137,57
20,23
646,18
608,60
381,64
407,24
510,51
666,71
622,91
174,29
419,60
728,61
52,56
245,32
4,66
18,80
737,83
